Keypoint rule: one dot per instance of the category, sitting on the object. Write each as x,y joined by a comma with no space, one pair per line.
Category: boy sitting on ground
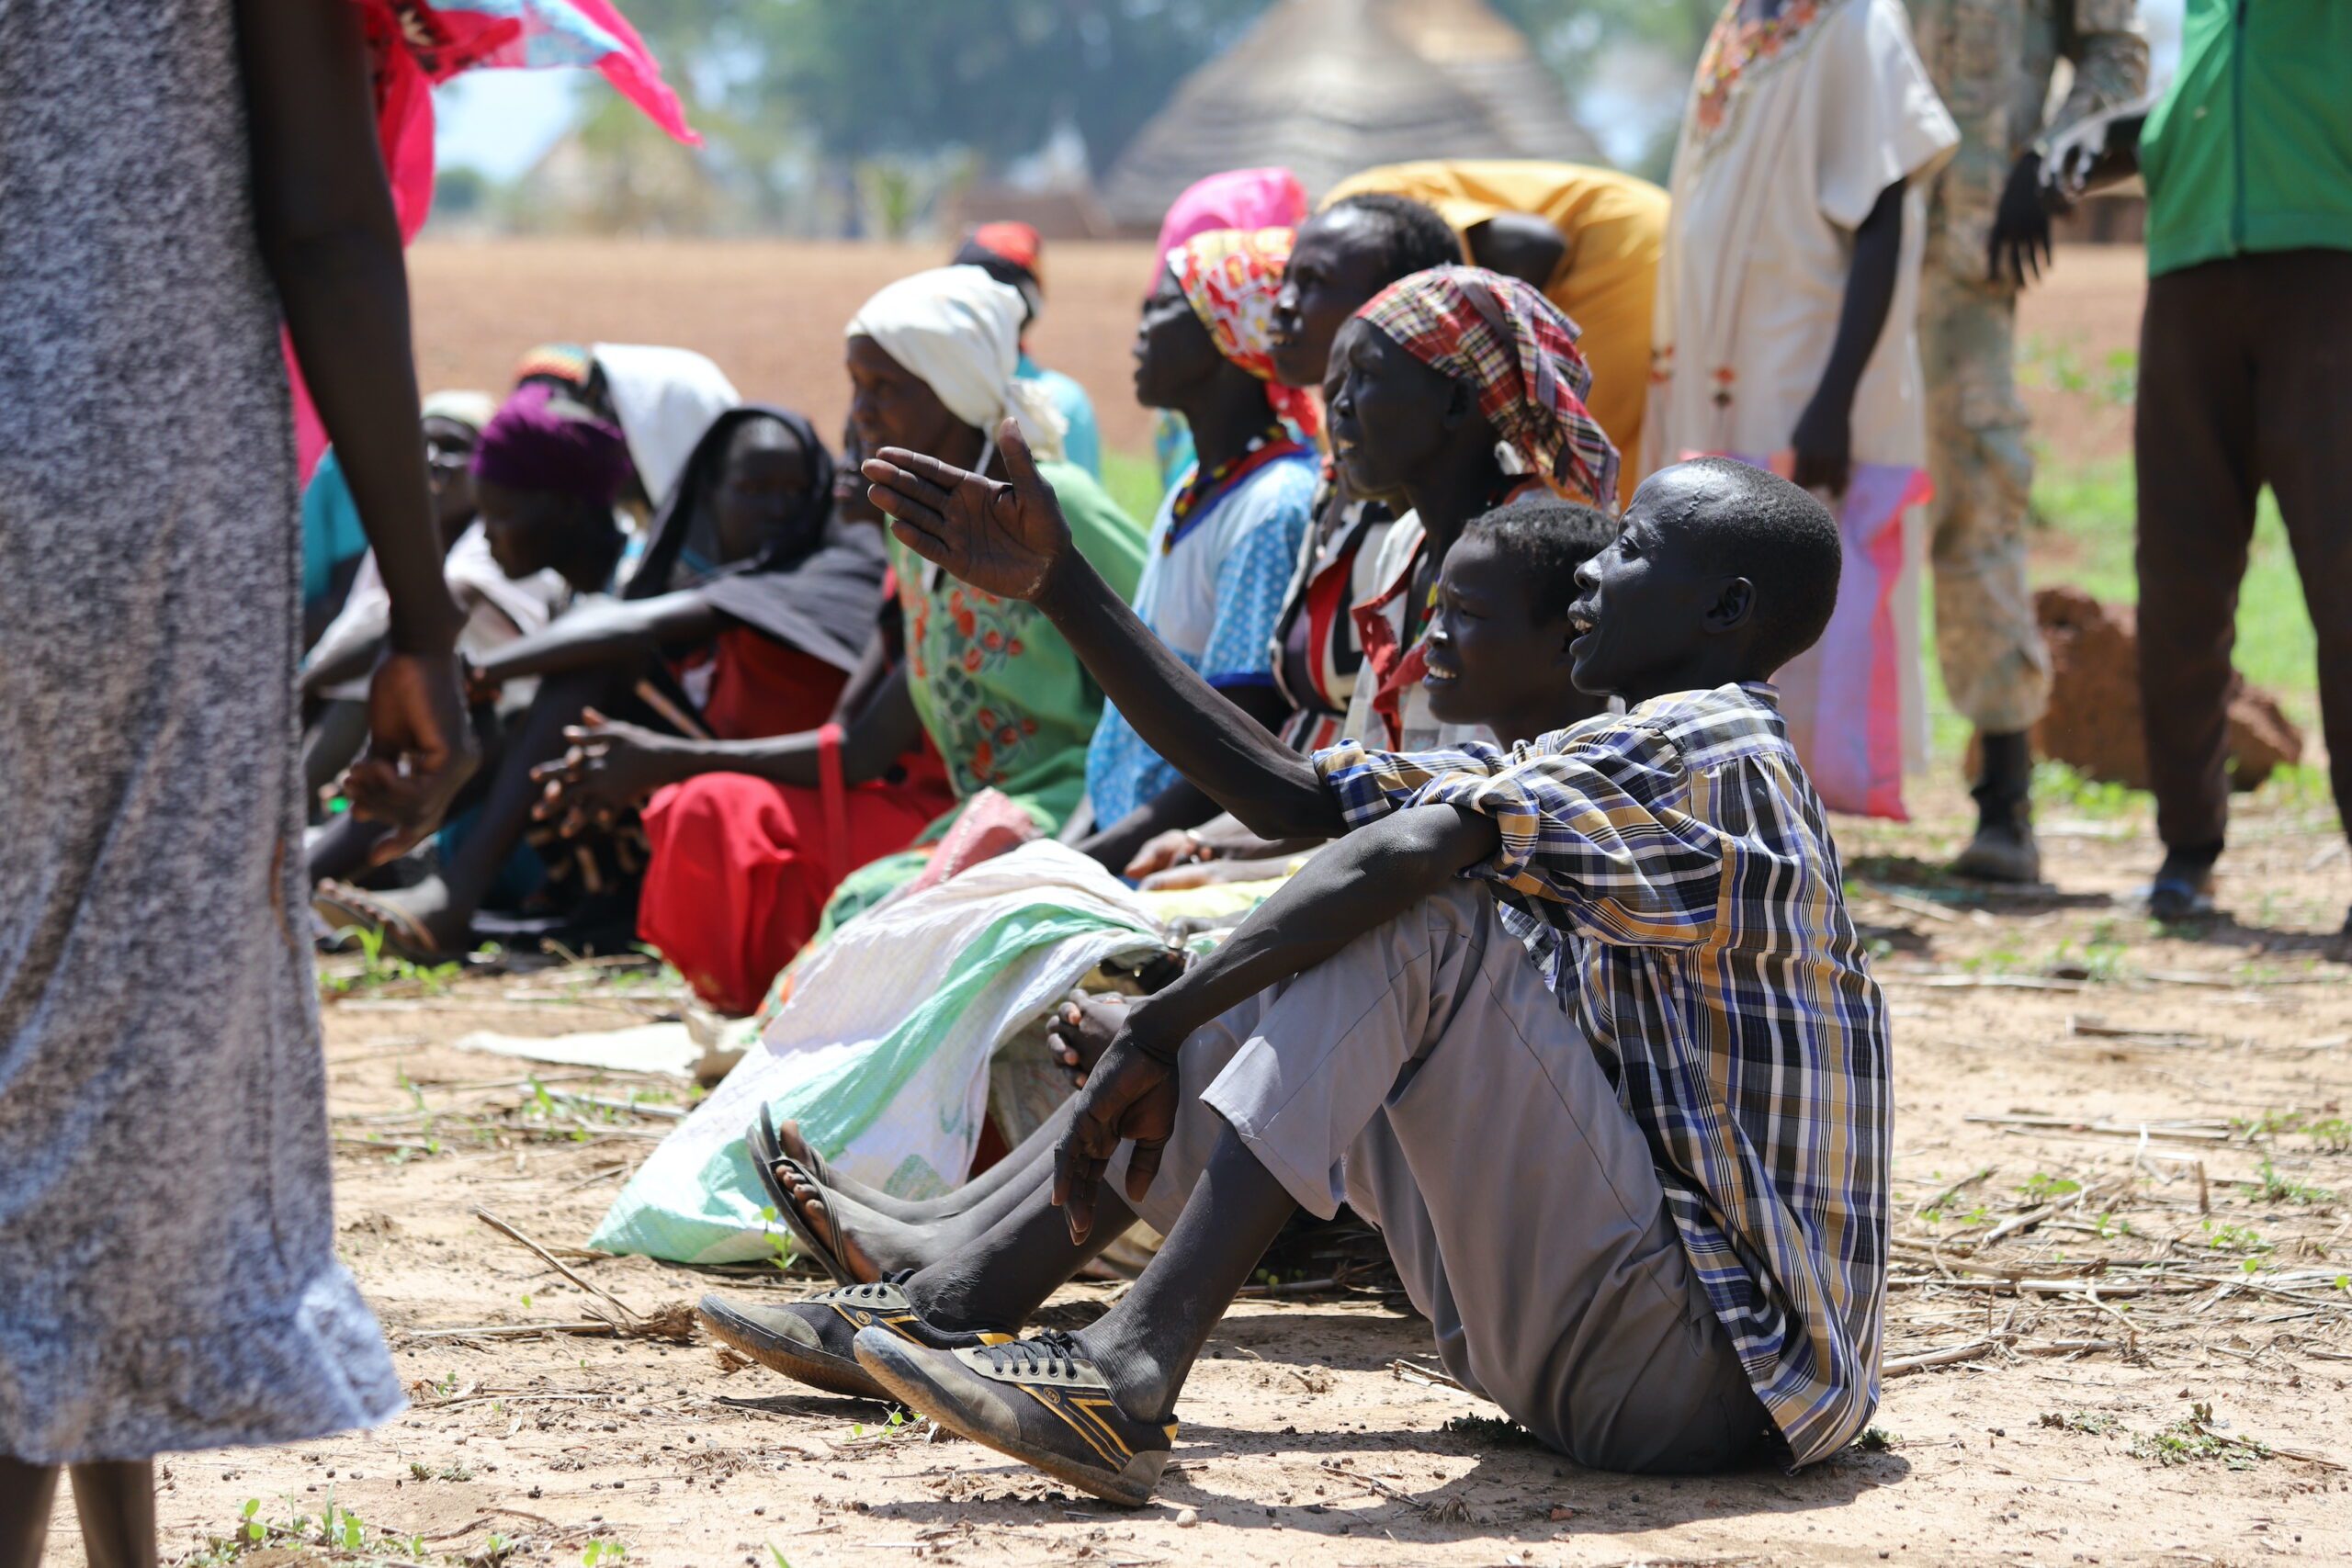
1497,659
1654,1231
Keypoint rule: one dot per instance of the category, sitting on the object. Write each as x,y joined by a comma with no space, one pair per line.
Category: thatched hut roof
1328,87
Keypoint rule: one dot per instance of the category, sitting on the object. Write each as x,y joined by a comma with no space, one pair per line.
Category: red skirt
741,869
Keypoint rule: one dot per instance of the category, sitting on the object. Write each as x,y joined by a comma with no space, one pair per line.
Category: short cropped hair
1413,238
1760,526
1546,539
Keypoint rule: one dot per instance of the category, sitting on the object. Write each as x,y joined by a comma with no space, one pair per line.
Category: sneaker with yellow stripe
1040,1400
811,1340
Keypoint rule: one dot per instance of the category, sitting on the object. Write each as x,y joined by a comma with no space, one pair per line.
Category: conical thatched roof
1328,87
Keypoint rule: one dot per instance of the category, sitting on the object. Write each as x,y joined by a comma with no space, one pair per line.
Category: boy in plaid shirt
1639,1185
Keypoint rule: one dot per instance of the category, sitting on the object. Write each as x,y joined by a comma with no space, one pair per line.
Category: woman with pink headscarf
1245,199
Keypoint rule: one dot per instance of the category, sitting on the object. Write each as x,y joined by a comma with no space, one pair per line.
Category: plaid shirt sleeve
1370,784
1594,830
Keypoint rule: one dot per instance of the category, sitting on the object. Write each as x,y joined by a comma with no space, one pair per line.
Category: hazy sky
500,121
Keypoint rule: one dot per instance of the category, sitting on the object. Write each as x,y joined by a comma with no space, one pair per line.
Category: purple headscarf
541,440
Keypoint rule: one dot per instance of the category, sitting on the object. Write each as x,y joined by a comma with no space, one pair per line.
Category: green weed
2058,786
377,970
2192,1440
2234,1238
2042,1187
2096,1422
2272,1186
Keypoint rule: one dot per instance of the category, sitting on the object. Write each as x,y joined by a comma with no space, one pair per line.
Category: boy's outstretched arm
1010,540
1367,878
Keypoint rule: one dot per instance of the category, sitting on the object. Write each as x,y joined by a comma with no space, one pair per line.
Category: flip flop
345,907
809,1162
766,1155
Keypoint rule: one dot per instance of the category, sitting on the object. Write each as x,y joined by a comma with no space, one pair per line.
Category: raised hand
420,749
1130,1093
1001,538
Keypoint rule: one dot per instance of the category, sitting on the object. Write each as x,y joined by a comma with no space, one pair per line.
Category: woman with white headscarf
752,838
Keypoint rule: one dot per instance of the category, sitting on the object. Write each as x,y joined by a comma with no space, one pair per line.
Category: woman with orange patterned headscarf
1227,535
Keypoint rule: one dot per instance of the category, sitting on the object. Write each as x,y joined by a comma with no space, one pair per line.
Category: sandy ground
772,313
2120,1329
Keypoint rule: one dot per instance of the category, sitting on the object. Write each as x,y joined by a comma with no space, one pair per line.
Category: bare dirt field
771,314
2120,1327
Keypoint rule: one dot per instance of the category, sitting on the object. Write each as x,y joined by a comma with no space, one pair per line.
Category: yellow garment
1614,225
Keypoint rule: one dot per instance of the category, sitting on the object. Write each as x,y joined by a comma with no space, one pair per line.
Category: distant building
1328,87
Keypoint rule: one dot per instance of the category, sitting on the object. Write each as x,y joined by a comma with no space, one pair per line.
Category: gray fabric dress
167,1269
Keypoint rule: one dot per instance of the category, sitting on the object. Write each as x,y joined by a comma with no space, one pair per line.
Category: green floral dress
1003,698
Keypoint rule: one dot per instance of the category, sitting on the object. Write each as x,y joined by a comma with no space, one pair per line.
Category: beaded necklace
1207,487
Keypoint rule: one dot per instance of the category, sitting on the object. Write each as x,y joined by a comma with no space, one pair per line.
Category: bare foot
869,1245
1083,1029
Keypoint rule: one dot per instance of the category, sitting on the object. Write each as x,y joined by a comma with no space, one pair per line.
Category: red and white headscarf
1518,349
1230,278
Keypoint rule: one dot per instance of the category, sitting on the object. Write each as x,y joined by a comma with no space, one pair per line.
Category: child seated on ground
1639,1185
1497,643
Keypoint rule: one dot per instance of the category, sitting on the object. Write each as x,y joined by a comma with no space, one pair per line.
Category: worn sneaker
1040,1400
811,1340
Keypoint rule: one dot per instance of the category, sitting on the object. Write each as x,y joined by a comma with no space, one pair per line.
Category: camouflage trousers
1995,665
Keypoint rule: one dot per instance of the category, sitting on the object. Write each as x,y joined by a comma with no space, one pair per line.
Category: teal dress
1082,442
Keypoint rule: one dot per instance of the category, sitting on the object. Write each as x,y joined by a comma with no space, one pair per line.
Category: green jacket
2252,148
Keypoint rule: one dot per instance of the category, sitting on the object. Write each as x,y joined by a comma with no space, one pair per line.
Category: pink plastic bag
1843,698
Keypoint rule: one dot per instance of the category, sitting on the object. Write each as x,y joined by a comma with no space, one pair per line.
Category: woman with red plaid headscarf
1458,389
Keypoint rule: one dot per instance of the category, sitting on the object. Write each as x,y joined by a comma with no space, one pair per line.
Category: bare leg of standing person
27,1492
117,1500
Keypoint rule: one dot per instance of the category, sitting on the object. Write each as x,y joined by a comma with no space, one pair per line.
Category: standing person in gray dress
173,176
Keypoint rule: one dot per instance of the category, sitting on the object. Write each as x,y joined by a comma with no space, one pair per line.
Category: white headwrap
960,331
664,399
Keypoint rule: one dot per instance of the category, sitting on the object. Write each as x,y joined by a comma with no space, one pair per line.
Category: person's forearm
1870,296
1178,805
325,219
1366,879
1209,739
870,745
602,635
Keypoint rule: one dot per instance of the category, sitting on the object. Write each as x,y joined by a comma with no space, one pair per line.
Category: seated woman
1434,378
1227,536
498,608
1236,198
1589,238
748,610
756,834
1343,256
1014,254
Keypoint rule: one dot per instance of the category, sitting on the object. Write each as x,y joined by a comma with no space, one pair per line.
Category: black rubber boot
2003,849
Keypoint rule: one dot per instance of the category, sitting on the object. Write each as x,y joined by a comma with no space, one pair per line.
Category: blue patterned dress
1213,598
